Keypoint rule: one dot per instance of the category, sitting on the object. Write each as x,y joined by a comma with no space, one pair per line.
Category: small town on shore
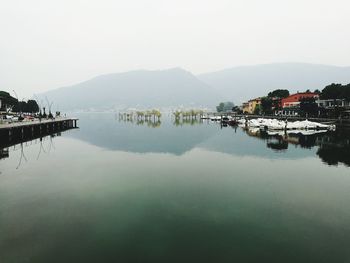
332,102
329,108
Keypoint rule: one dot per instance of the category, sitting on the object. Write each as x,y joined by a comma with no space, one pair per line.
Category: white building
329,104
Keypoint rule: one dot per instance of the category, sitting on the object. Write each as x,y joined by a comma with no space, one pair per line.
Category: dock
36,127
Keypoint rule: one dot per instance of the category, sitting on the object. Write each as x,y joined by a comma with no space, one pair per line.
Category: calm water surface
175,192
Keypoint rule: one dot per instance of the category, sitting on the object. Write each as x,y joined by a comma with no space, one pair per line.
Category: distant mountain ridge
141,88
245,82
177,87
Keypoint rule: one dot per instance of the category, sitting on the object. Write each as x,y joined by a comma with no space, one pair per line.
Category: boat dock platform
29,128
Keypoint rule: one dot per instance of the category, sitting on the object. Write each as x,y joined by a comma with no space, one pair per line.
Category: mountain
242,83
142,88
176,87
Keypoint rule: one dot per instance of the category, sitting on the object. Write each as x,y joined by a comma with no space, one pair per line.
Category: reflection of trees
22,157
334,155
149,122
41,148
190,121
278,145
308,141
335,149
153,123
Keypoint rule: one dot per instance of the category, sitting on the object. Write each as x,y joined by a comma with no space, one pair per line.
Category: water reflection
229,195
10,144
333,147
151,122
180,136
189,121
336,148
154,122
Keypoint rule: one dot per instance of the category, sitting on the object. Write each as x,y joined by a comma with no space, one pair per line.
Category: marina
230,116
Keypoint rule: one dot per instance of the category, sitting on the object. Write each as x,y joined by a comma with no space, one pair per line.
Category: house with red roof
294,99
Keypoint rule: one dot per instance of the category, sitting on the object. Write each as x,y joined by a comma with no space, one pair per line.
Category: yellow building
245,107
253,104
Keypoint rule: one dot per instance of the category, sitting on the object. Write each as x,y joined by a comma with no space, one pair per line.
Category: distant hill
177,87
142,88
242,83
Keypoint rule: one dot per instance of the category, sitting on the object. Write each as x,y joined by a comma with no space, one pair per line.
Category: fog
49,44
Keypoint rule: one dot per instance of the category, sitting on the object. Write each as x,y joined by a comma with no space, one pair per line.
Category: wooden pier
30,128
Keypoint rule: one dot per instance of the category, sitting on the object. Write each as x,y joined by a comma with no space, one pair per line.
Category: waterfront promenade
30,128
70,121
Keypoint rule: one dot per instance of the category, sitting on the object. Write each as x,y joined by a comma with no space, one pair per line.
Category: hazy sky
46,44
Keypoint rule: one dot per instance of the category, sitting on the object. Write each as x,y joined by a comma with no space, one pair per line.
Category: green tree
7,100
32,106
266,105
346,92
278,93
333,91
220,107
237,109
308,106
225,106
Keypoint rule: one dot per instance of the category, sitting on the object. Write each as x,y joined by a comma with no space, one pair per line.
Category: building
253,105
294,99
250,106
331,104
291,104
245,107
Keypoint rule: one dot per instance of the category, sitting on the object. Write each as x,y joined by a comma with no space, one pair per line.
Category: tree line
9,103
336,91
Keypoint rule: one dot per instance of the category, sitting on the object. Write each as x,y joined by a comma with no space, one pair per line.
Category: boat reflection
333,146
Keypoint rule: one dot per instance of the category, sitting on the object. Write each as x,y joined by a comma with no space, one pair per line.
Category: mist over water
175,191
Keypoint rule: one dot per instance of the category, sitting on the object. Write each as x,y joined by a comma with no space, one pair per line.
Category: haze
48,44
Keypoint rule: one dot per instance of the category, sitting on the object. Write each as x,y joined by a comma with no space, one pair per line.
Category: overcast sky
48,44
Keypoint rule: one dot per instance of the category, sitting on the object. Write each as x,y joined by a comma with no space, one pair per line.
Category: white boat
274,124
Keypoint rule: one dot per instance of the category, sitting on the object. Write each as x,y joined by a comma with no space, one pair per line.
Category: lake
117,191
